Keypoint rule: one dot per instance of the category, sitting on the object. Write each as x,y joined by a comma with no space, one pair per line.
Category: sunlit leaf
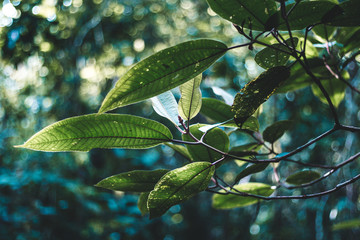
216,138
257,91
249,13
270,57
302,177
180,149
166,106
142,203
178,186
163,71
349,224
99,131
228,201
276,130
190,101
134,181
255,168
334,87
228,98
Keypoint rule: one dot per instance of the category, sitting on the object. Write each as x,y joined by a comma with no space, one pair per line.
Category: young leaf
178,186
99,131
190,101
216,110
248,13
133,181
334,87
180,149
216,138
255,168
276,130
257,92
302,177
269,57
142,203
163,71
306,13
220,201
166,106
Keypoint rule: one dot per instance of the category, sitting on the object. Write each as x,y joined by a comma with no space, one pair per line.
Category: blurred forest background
60,58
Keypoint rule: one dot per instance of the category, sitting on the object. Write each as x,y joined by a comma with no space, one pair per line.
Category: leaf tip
19,146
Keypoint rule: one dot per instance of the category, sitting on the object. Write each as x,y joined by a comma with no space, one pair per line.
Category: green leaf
350,15
306,13
302,177
180,149
216,138
248,13
276,130
245,151
133,181
190,101
269,57
99,131
334,87
163,71
216,110
142,203
349,224
257,92
229,201
251,124
178,186
166,106
255,168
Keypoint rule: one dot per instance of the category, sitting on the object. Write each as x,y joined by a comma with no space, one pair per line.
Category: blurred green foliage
60,58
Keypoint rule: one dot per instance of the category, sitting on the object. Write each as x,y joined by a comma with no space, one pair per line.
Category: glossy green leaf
350,17
229,201
257,91
190,101
178,186
163,71
142,203
216,110
344,225
216,138
99,131
166,106
255,168
269,57
306,13
302,177
334,87
180,149
248,13
276,130
133,181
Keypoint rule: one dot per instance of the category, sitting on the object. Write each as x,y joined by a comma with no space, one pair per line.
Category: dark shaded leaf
216,110
302,177
134,181
350,17
178,186
257,92
233,201
142,203
255,168
349,224
276,130
99,131
163,71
